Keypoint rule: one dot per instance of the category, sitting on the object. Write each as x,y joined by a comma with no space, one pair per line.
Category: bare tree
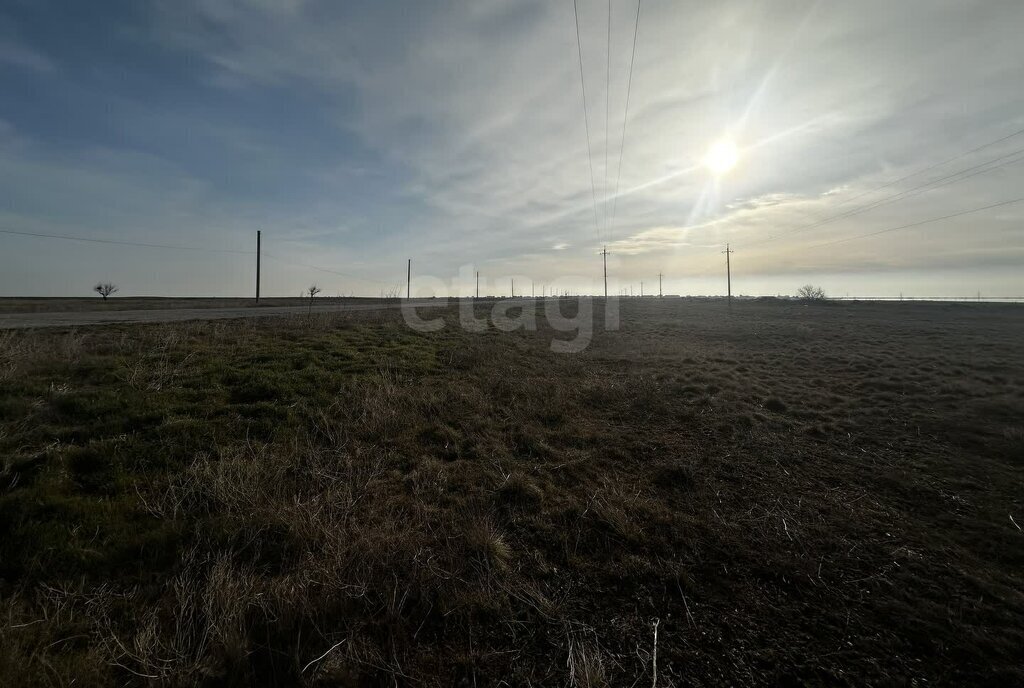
809,292
392,294
105,289
313,291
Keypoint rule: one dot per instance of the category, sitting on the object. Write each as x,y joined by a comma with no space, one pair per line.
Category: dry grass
335,500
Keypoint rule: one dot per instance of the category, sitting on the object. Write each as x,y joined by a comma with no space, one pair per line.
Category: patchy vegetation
796,494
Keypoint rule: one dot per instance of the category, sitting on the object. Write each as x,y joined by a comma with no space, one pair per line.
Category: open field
64,313
824,494
26,304
94,304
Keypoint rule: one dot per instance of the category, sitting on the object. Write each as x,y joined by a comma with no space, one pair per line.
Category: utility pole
728,272
408,279
641,289
659,286
513,287
478,284
257,266
604,256
533,289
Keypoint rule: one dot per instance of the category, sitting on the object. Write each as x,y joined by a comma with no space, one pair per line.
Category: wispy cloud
19,55
456,133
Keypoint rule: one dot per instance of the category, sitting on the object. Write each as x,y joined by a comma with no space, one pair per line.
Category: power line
966,173
958,176
896,181
586,116
607,111
625,113
918,224
327,270
122,243
932,167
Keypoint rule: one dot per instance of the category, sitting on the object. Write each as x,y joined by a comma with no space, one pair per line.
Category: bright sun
721,157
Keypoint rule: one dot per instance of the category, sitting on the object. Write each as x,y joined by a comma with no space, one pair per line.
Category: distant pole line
258,266
586,117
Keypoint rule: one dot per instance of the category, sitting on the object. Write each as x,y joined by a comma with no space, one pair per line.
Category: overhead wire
625,113
607,114
586,116
327,270
953,178
119,242
958,176
918,224
934,166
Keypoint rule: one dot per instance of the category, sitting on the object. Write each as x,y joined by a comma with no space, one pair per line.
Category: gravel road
9,321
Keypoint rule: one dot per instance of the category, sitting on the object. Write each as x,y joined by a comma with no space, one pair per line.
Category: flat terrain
78,318
79,312
30,304
825,494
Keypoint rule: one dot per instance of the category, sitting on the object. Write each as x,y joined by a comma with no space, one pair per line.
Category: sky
358,135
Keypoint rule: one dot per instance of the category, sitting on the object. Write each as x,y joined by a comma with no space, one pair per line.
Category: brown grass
338,501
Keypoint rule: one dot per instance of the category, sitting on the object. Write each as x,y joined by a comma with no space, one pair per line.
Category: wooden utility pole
478,284
728,272
659,286
258,266
513,287
604,256
408,279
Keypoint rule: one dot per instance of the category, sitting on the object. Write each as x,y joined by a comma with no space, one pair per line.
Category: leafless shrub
105,289
391,294
809,292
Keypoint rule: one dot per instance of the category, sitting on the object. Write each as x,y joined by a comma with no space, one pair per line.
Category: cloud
17,54
469,121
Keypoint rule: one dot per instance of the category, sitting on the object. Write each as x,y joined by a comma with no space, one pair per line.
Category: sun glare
721,157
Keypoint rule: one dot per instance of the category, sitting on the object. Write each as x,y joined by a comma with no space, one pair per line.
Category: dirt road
77,319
